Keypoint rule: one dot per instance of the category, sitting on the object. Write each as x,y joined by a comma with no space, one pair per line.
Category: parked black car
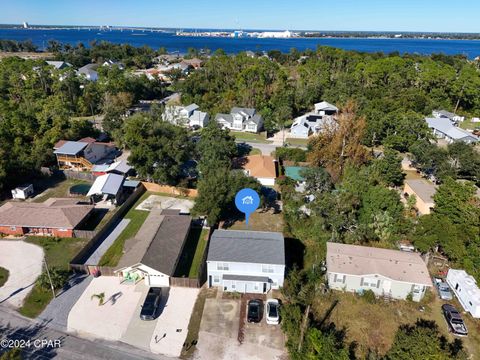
454,320
151,304
254,310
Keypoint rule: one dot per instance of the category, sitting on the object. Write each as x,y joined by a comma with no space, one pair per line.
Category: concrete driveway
24,263
166,202
218,336
109,321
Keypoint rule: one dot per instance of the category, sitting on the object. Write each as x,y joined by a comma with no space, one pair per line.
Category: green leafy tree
388,169
423,341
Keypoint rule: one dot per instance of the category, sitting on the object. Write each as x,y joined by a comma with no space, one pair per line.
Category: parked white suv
272,313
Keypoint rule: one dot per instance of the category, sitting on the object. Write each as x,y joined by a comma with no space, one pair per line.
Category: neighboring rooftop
106,184
259,166
326,106
71,147
446,127
159,242
363,260
53,213
247,247
423,189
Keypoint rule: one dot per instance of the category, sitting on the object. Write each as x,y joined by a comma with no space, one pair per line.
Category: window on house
267,268
339,278
369,282
216,278
233,286
222,266
13,228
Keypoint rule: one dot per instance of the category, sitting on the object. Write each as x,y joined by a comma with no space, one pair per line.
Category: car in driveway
454,320
272,313
151,304
443,289
254,310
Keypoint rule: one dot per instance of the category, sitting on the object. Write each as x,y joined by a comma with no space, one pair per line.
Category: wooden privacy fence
170,189
184,282
92,269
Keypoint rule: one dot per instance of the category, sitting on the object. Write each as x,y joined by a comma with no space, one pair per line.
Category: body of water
469,48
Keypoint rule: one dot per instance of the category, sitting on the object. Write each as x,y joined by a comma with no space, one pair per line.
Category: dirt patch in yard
373,326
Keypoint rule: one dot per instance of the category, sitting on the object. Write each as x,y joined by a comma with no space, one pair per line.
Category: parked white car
272,313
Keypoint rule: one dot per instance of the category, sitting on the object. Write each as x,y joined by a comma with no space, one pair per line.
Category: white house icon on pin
247,200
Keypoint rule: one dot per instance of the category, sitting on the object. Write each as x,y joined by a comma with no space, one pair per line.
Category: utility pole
49,278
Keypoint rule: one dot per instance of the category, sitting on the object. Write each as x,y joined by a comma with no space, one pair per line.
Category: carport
246,284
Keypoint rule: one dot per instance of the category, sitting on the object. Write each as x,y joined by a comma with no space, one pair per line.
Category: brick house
54,217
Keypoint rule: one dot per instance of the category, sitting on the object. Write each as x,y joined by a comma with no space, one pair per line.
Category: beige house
423,191
391,273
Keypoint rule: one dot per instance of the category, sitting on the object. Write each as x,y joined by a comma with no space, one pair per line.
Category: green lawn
255,151
300,142
261,221
468,125
58,189
58,253
250,137
137,217
3,276
192,253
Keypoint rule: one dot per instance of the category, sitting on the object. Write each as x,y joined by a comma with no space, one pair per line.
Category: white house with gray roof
447,115
241,119
391,273
189,115
443,128
246,261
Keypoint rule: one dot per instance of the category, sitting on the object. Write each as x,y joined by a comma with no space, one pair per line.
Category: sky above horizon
348,15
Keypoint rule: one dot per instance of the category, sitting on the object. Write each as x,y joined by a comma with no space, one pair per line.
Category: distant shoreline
308,34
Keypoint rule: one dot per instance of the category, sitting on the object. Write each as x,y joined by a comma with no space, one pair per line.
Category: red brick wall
20,231
7,230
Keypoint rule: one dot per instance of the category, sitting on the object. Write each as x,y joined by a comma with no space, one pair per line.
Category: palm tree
100,297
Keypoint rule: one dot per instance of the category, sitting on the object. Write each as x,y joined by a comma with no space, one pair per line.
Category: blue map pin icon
247,201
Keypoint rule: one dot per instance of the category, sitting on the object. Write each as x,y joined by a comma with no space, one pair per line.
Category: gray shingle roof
226,117
259,247
257,118
71,148
249,111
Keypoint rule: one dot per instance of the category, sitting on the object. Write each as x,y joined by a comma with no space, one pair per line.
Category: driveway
218,336
109,321
24,263
166,202
94,259
56,312
172,326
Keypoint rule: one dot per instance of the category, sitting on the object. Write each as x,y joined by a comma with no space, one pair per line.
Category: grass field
137,217
255,151
469,125
57,189
192,253
260,221
58,252
300,142
250,137
373,326
3,276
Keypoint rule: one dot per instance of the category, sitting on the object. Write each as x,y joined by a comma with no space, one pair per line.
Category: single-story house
22,192
88,72
241,119
54,217
391,273
300,128
443,128
59,65
261,167
82,153
110,63
447,115
325,108
466,290
423,191
153,253
107,188
246,261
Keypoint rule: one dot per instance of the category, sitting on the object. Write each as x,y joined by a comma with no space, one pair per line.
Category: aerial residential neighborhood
219,192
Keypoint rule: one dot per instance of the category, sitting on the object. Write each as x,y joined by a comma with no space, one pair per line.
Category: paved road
16,327
56,313
267,149
94,259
